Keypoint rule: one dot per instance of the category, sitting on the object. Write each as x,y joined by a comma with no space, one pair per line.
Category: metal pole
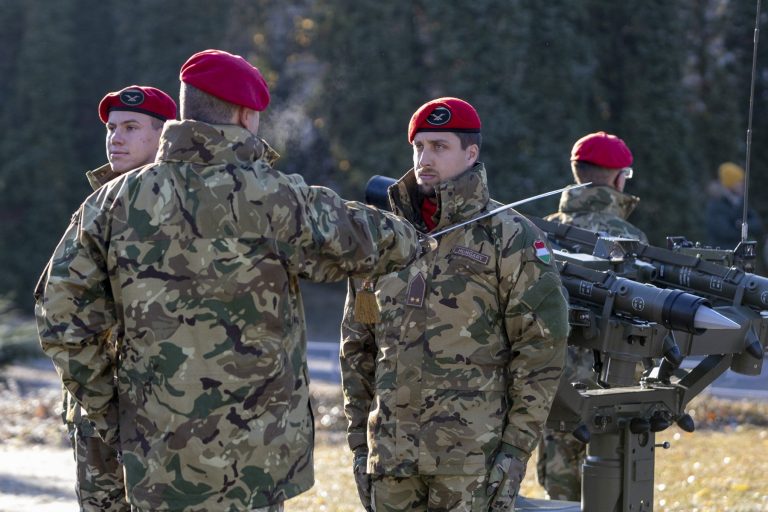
744,224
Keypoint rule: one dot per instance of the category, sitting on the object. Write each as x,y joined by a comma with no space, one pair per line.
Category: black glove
504,480
362,478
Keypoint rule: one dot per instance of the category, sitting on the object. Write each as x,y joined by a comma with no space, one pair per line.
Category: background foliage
670,78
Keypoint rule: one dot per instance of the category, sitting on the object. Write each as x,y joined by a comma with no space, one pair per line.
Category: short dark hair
467,139
584,172
201,106
157,124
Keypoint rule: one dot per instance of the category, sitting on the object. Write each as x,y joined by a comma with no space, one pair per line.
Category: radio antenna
744,223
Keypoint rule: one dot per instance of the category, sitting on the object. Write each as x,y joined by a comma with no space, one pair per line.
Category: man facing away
605,161
195,262
449,376
133,117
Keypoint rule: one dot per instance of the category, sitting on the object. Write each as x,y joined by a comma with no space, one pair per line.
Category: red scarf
428,210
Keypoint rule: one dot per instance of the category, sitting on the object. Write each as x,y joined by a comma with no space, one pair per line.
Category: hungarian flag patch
542,252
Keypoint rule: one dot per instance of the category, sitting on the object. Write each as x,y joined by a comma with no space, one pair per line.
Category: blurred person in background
725,209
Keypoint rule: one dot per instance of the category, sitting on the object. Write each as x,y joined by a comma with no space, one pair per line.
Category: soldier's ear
472,153
248,119
619,181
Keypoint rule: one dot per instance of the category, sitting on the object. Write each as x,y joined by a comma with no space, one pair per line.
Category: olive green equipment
619,417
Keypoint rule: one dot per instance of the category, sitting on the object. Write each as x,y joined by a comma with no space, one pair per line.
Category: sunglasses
627,172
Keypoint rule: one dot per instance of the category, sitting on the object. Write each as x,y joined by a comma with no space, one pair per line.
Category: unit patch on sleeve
542,252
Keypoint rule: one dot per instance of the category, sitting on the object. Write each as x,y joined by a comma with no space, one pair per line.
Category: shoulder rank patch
417,288
542,252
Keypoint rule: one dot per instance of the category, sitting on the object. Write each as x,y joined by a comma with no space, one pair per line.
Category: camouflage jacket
599,208
72,411
195,261
469,347
101,176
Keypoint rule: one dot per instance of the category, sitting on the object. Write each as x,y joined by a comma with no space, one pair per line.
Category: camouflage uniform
195,261
602,209
99,481
466,355
599,208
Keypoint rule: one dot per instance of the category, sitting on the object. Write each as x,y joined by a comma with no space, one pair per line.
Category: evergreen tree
640,98
373,82
39,183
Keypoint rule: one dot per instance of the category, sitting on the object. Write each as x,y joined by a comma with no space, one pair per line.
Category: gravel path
36,467
37,472
37,478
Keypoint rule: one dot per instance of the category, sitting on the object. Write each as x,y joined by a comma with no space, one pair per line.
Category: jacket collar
206,144
101,175
598,199
459,199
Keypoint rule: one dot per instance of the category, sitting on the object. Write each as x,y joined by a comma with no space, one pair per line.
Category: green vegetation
18,336
671,78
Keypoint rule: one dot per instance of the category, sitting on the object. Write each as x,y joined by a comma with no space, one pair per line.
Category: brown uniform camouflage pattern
601,209
195,262
468,350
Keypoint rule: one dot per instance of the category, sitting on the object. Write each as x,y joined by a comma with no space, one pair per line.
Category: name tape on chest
469,253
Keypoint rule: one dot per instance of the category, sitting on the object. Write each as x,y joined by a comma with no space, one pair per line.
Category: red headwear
603,150
138,98
444,115
228,77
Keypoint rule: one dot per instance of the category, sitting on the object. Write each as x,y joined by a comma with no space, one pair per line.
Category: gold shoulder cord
366,308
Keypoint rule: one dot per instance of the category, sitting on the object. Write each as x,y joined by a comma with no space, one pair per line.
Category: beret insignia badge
132,97
439,116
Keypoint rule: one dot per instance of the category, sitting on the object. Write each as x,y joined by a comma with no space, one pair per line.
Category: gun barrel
693,273
724,283
674,309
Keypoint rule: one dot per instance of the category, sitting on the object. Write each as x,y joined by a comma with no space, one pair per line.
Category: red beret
138,98
444,115
603,150
228,77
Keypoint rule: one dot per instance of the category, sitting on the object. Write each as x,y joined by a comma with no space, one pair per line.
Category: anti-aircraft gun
617,312
619,418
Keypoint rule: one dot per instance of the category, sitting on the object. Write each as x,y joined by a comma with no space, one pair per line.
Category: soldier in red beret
195,261
449,375
134,117
605,161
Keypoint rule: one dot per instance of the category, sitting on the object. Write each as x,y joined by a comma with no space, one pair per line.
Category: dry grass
721,467
702,472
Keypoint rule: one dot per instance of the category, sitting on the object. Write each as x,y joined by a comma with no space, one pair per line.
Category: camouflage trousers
558,467
99,485
271,508
434,493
